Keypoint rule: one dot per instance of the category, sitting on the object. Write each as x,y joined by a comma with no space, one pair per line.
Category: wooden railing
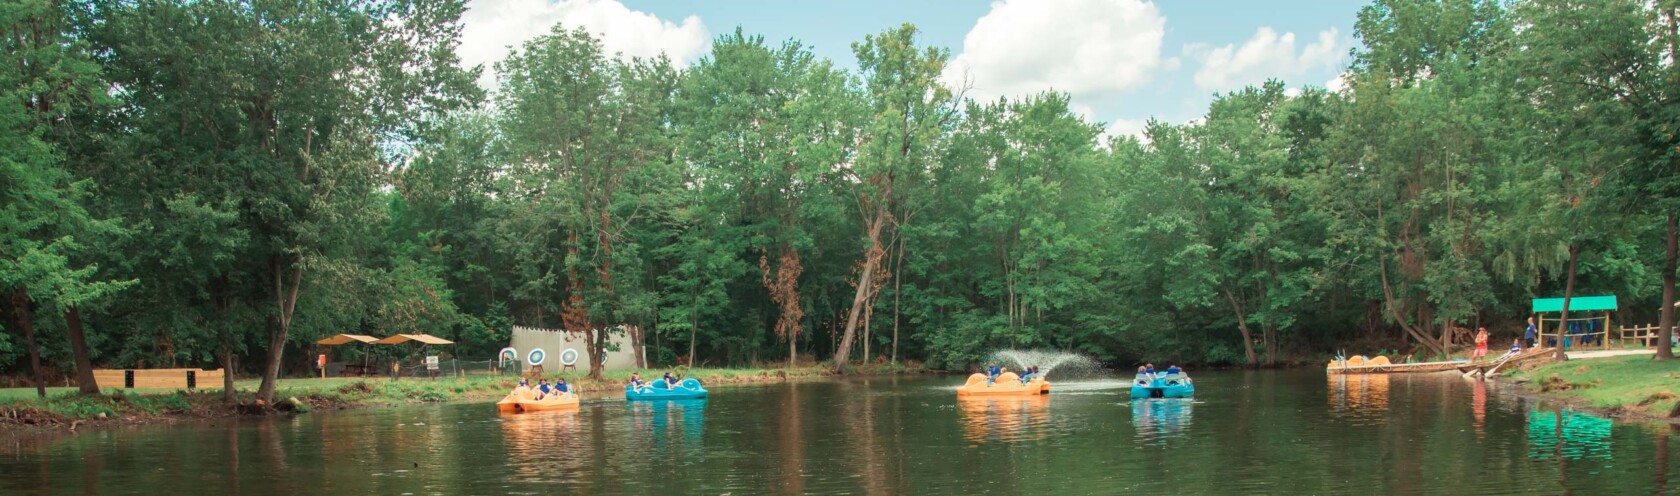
1645,334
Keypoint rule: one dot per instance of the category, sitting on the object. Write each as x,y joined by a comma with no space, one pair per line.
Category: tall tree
761,126
589,137
908,113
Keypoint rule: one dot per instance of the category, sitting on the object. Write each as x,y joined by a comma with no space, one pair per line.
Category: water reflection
1362,398
543,446
1478,406
670,420
1568,435
1005,419
1160,419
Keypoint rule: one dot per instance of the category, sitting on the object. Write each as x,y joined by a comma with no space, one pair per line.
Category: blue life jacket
561,388
543,388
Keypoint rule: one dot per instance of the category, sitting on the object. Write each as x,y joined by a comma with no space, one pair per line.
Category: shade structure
418,338
339,339
1576,304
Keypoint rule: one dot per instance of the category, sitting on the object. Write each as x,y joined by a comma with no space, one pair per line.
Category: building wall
620,353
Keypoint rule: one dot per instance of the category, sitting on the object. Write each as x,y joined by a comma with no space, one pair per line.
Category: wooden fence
158,378
1645,334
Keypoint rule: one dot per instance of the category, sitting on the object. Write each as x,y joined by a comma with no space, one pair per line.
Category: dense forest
219,183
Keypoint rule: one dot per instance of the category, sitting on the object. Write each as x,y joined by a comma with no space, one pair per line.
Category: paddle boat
524,399
1167,386
1006,384
658,390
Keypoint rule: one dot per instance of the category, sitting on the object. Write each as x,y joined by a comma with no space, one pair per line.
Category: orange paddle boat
1007,384
524,399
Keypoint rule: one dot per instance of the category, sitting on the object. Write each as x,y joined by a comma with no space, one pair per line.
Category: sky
1123,62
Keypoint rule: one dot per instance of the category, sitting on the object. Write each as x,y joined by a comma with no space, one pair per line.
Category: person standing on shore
1481,343
1529,334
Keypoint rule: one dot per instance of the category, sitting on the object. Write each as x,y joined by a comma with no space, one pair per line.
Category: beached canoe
1006,384
1170,386
657,390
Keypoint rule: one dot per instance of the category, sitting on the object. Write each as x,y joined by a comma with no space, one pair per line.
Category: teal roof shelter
1576,304
1598,326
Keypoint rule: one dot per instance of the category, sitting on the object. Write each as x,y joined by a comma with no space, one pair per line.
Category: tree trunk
20,311
1271,344
1242,325
78,346
865,279
898,290
1665,331
286,301
1568,292
218,292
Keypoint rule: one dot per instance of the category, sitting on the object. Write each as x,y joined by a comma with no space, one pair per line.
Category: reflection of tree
1004,418
792,440
859,411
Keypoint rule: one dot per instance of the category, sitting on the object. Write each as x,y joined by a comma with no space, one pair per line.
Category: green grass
1632,383
63,404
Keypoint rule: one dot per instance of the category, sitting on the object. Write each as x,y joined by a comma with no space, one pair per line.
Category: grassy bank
1633,385
63,407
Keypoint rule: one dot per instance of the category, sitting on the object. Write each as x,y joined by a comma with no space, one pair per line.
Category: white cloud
1336,84
1087,48
1125,127
1267,55
491,26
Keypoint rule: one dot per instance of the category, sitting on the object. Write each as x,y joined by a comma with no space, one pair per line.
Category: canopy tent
422,340
426,339
339,339
342,339
1587,326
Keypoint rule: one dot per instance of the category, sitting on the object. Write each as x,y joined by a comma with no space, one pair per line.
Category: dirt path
1582,355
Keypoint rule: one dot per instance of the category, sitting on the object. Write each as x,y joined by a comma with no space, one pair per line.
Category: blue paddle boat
658,390
1168,386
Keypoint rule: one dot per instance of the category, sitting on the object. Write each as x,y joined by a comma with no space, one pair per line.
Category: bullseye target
536,357
568,356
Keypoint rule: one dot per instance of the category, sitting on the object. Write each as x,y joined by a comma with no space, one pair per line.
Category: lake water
1294,432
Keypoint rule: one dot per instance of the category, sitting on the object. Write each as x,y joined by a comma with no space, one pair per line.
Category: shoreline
1631,388
71,413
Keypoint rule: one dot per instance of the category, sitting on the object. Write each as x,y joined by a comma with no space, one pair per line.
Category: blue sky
1123,61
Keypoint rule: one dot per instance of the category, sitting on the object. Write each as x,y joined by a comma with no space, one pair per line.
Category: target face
568,357
536,357
509,354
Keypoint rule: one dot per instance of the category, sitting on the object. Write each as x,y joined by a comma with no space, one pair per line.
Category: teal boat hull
688,389
1164,388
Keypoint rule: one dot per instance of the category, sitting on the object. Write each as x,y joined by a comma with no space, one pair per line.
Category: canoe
1171,386
657,390
525,400
1380,365
1007,384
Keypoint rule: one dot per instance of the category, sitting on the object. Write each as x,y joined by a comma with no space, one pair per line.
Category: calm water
1293,432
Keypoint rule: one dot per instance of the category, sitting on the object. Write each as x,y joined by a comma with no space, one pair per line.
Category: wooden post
1606,329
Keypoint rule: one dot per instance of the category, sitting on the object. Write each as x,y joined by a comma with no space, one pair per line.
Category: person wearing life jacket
636,381
670,382
1149,369
560,386
1142,376
542,388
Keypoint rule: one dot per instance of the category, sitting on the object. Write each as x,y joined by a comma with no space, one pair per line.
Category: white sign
432,362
